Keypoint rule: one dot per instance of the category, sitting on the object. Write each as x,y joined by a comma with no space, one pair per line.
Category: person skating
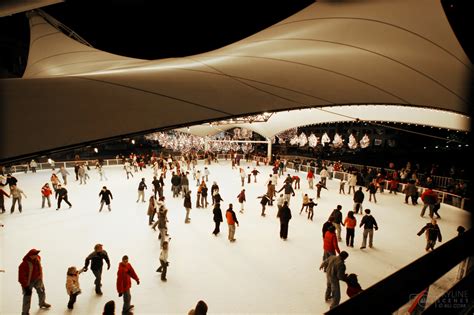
157,186
3,194
327,224
214,192
324,174
184,183
64,173
310,178
204,192
296,179
30,275
96,259
231,222
350,223
311,204
151,209
200,309
255,172
241,198
105,197
46,193
433,233
319,186
242,176
55,181
353,286
429,198
330,244
411,191
175,183
217,212
128,169
124,275
141,190
342,185
304,204
73,287
337,215
335,272
369,224
163,261
61,194
162,223
33,166
16,194
372,189
109,308
288,191
271,192
358,200
187,205
265,200
352,182
285,217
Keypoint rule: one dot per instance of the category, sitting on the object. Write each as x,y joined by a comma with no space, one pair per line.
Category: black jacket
359,196
142,186
285,214
368,222
96,259
217,214
337,215
433,232
61,192
106,195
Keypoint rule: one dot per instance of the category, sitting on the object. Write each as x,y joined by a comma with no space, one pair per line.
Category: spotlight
96,150
49,161
133,142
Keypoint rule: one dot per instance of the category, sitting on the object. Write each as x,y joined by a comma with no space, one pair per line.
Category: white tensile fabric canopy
369,60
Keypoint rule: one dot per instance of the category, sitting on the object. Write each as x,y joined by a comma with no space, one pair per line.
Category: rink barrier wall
390,294
444,197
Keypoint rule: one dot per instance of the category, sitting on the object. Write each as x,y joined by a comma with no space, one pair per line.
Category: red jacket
330,243
350,223
46,191
29,270
125,272
241,197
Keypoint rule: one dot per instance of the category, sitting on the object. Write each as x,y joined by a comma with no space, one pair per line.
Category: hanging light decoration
325,139
302,139
312,140
352,142
295,140
337,142
365,141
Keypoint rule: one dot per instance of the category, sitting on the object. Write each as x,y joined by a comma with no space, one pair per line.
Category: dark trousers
217,228
98,277
310,214
65,200
350,237
163,269
72,300
284,230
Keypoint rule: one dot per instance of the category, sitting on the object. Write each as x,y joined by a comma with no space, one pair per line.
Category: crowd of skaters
180,171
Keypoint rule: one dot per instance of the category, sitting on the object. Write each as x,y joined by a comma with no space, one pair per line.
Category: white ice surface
257,274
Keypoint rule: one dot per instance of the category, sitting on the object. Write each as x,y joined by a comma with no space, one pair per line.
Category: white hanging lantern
337,142
325,139
295,140
303,139
312,140
352,142
365,141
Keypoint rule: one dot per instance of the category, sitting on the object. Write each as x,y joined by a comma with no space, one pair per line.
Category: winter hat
33,252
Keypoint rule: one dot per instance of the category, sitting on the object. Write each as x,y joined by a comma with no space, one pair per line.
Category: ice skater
241,198
46,193
64,173
231,222
16,194
285,217
164,261
30,275
432,233
124,275
217,212
61,194
187,205
105,197
73,287
350,223
369,224
141,190
96,259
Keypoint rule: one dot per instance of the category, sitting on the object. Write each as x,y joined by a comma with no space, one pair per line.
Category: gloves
28,291
376,228
120,294
108,267
138,282
84,269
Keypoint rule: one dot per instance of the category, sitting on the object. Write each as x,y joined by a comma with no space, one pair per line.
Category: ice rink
257,274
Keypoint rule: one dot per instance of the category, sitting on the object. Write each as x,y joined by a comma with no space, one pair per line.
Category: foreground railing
388,295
